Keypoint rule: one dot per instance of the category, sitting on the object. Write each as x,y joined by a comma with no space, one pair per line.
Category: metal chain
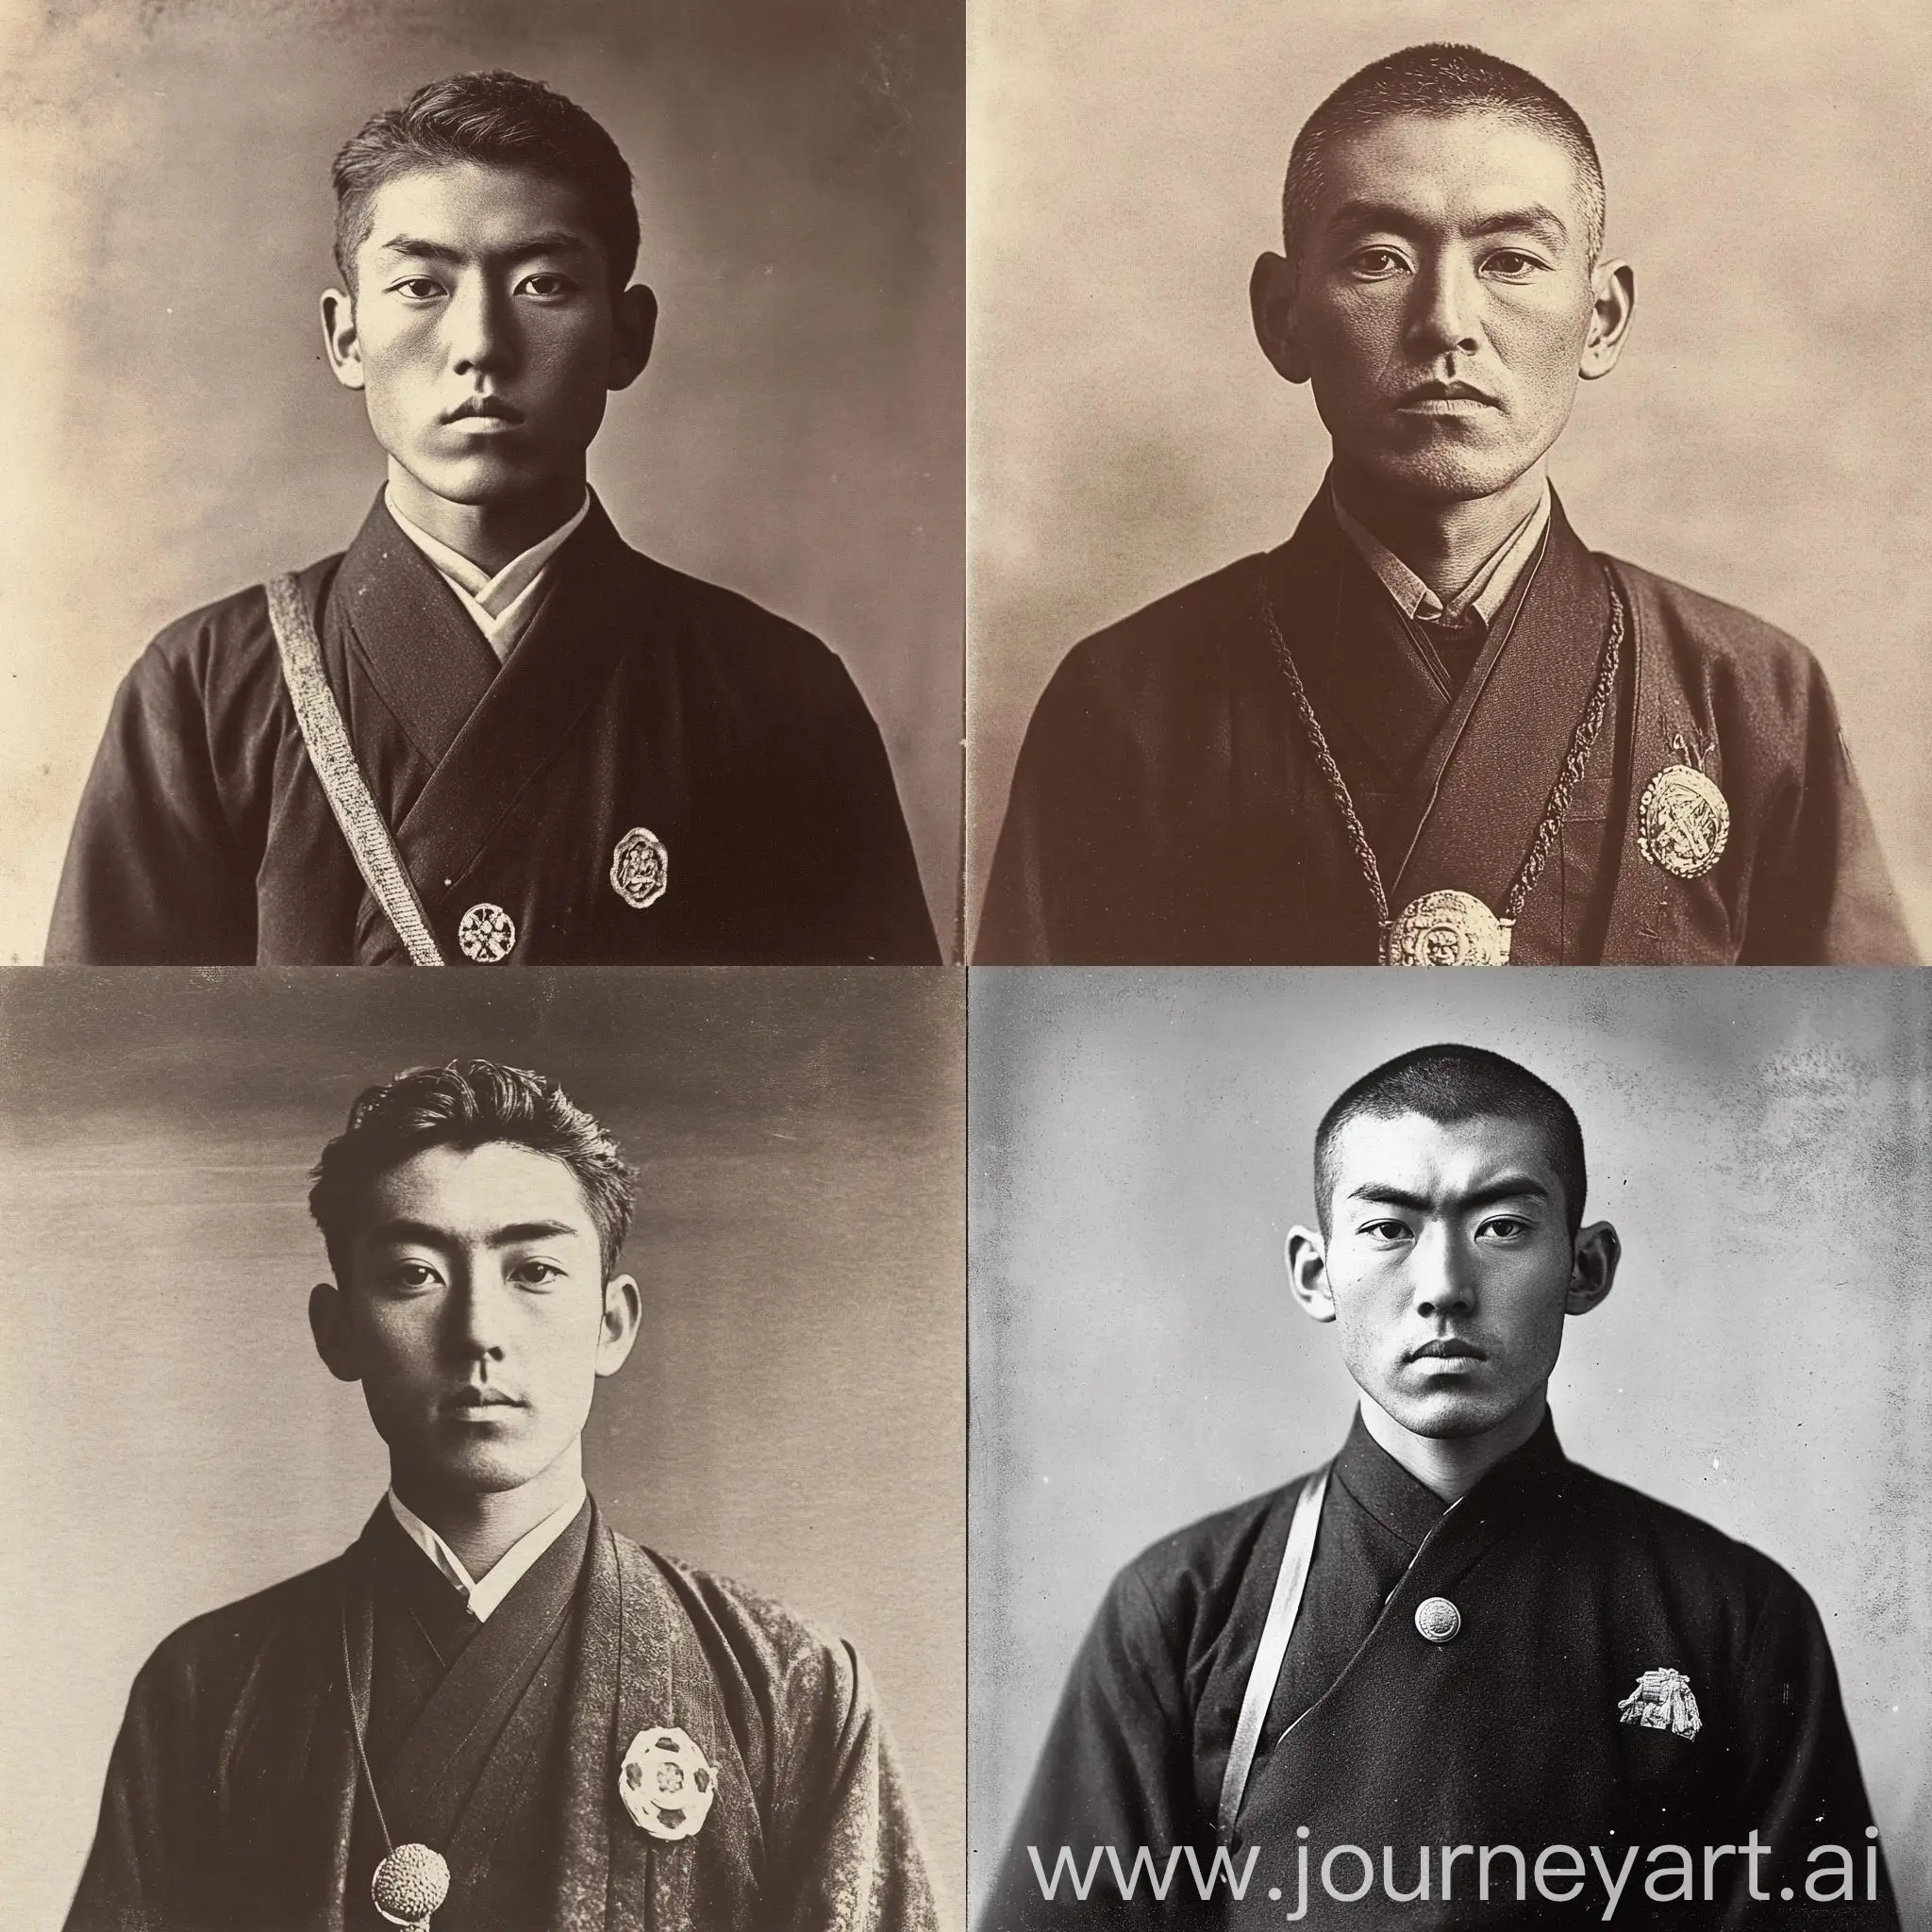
1582,742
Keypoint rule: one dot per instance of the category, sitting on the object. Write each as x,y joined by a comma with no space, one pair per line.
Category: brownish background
1762,1140
794,1414
1763,440
173,433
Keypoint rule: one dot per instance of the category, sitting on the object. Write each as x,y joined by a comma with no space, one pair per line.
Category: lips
483,408
467,1400
1424,393
1447,1348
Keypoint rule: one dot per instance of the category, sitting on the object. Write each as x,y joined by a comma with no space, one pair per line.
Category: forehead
472,207
1418,1156
1441,169
467,1192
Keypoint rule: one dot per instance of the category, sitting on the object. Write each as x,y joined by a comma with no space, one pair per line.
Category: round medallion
665,1783
1446,929
410,1884
640,868
1683,822
1438,1618
485,934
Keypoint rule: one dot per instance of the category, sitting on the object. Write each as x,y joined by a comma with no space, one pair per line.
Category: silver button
1438,1618
485,934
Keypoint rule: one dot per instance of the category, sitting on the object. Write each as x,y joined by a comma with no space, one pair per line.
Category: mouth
1445,399
488,1405
1448,1348
483,409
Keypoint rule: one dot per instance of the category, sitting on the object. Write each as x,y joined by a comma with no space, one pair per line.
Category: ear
624,1310
1308,1273
1594,1269
333,1328
1271,299
339,339
637,330
1615,284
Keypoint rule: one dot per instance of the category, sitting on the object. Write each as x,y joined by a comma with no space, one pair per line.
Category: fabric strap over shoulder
333,759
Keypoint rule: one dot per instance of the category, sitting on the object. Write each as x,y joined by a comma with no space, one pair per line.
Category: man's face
1448,1260
475,1314
1444,302
484,330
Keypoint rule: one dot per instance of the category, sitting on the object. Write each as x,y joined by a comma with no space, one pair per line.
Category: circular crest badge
409,1885
1683,822
666,1784
640,868
1446,929
485,934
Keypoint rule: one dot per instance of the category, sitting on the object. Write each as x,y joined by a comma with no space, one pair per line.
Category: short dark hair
1440,78
467,1104
503,121
1450,1084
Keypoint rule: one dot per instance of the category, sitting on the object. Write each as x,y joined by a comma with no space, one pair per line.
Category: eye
1505,1227
546,286
536,1274
416,289
1511,265
412,1277
1378,264
1388,1233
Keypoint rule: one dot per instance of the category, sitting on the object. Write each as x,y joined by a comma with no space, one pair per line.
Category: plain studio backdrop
793,1414
174,433
1763,438
1140,1147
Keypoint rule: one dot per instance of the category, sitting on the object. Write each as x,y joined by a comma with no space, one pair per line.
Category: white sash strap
1283,1608
334,760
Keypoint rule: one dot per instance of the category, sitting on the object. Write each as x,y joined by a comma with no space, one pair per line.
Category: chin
1444,472
483,481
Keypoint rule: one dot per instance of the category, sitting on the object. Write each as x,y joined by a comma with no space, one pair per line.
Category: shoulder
733,630
224,646
1718,639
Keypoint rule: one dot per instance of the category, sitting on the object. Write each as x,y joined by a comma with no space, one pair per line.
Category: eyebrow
1534,218
553,241
1508,1187
427,1235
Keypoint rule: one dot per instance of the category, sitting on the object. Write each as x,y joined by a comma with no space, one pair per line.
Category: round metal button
1438,1618
485,934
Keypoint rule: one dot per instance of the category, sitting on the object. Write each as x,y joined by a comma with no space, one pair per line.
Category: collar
501,606
1409,1508
1485,592
483,1595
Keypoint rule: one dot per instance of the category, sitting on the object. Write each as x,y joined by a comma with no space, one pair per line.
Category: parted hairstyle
467,1104
1450,1084
503,121
1438,77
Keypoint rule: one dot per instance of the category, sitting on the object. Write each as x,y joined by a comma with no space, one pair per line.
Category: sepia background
174,434
793,1415
1140,1144
1763,438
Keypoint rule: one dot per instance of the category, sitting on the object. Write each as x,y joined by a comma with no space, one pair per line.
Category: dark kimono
1167,808
234,1802
639,697
1517,1731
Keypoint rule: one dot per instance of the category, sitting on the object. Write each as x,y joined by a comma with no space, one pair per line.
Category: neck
489,534
480,1528
1445,543
1453,1465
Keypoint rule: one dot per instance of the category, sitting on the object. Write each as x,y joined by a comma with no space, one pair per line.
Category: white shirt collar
500,606
1485,590
507,1571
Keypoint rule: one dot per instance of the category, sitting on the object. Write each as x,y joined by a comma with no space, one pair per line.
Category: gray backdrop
1140,1145
1763,438
793,1416
174,434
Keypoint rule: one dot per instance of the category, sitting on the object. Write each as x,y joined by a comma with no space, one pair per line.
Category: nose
480,321
1446,298
1443,1275
476,1312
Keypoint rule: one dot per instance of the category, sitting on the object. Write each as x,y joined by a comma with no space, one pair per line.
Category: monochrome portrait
489,486
1438,480
469,1509
1448,1459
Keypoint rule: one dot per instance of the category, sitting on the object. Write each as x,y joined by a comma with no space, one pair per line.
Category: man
1433,727
1453,1660
489,731
493,1708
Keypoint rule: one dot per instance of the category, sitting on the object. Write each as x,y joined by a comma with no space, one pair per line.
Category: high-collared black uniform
1570,1588
1167,808
638,697
234,1802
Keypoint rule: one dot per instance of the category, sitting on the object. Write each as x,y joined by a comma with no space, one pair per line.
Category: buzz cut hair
1450,1085
467,1104
1438,79
500,120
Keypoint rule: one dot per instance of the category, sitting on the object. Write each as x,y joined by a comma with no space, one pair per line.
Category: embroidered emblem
1683,822
1446,929
1662,1701
665,1783
640,868
1438,1620
409,1885
485,934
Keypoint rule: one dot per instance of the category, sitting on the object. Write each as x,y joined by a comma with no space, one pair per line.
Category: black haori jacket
233,1802
639,698
1167,810
1575,1597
